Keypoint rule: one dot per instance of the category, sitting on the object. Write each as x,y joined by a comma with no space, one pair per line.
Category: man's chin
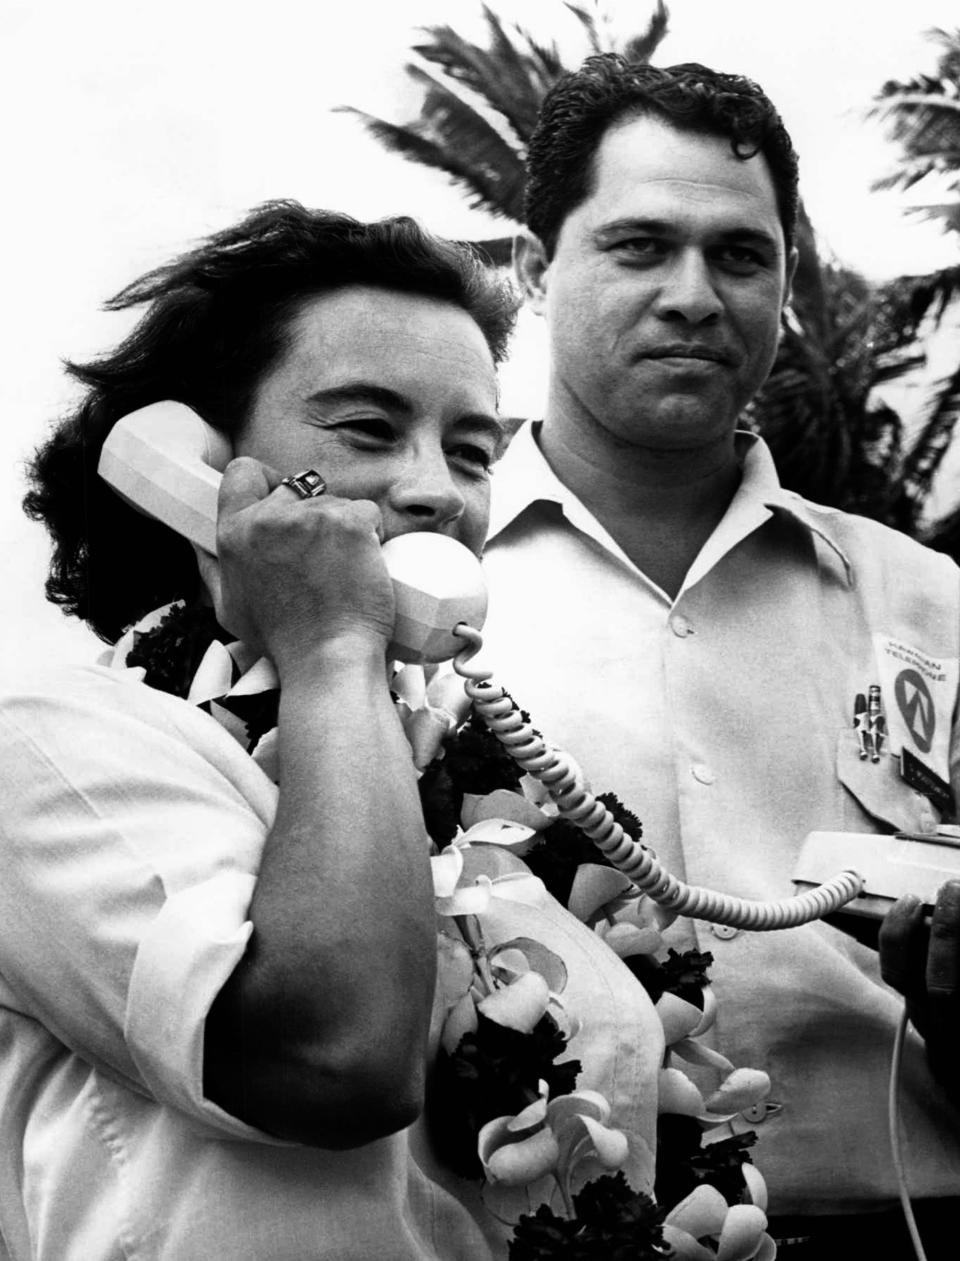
685,426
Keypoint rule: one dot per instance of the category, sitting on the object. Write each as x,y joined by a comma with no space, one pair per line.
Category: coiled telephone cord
553,769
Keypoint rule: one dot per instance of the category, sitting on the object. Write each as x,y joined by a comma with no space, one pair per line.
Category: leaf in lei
494,1072
683,1164
682,974
564,847
611,1222
171,653
473,761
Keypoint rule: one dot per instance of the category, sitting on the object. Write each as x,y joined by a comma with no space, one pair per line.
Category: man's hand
923,963
292,574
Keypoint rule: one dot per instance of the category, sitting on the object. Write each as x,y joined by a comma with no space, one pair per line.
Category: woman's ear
530,263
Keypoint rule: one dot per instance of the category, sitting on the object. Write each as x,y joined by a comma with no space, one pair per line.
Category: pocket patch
918,695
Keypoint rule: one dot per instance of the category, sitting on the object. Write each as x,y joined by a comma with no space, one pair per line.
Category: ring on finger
307,485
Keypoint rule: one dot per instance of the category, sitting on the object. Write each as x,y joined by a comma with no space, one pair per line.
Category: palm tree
478,113
832,440
922,117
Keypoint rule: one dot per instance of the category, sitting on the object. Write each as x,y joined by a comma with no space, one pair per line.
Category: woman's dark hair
580,108
218,319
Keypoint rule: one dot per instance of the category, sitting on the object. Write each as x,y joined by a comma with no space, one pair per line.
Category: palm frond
944,163
909,301
589,23
484,193
535,68
642,47
473,142
546,64
922,117
501,77
930,446
832,439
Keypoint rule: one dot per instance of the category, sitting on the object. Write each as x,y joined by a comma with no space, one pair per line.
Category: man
697,637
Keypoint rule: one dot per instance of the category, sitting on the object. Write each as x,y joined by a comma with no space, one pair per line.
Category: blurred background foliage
835,435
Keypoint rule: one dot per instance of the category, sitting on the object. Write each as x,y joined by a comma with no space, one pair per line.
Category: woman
217,989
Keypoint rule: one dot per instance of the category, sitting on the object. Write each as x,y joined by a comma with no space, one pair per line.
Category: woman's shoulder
77,710
82,689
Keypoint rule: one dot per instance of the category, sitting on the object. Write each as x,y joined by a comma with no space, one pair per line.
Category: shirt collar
523,478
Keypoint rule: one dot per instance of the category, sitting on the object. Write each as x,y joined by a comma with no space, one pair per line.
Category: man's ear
530,263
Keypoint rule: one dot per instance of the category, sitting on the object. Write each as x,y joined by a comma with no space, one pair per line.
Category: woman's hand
295,574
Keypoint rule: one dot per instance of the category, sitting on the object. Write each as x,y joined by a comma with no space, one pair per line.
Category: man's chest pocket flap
877,790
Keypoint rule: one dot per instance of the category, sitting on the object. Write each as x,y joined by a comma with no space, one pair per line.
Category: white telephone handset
166,461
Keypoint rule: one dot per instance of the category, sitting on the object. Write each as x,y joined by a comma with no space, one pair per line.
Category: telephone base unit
891,866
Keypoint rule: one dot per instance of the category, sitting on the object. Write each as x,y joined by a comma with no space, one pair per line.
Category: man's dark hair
580,108
218,319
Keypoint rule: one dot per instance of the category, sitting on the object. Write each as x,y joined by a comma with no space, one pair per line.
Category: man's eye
640,247
741,258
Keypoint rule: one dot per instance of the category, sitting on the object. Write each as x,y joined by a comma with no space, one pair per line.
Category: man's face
665,291
393,398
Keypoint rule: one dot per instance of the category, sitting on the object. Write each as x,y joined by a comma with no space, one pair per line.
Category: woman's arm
320,1034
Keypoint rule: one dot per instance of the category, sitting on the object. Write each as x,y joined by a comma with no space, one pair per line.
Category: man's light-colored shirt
724,720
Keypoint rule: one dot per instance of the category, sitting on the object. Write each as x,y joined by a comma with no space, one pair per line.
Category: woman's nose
426,494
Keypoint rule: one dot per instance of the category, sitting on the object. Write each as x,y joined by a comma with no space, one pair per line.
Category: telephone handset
166,461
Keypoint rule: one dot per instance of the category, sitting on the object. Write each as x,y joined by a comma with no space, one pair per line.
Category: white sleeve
130,837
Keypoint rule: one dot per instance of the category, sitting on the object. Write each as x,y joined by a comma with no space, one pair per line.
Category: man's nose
425,494
688,291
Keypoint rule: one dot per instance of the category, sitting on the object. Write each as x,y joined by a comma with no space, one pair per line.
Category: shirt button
761,1112
724,931
680,626
702,773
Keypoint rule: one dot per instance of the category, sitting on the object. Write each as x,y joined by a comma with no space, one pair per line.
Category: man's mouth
687,350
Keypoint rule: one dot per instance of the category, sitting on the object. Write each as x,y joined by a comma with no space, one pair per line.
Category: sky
133,129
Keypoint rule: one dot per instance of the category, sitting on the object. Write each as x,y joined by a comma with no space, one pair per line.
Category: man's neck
659,506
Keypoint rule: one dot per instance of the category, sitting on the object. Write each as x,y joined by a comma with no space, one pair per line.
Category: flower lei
503,1103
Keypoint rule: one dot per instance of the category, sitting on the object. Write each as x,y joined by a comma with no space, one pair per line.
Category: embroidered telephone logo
917,707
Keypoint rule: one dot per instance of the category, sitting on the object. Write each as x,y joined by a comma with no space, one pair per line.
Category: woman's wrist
354,650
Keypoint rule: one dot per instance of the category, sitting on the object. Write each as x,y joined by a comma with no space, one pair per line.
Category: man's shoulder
865,541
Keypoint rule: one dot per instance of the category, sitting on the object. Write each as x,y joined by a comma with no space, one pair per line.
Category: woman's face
393,398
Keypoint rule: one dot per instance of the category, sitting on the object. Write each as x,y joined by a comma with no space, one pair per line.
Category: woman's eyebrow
363,392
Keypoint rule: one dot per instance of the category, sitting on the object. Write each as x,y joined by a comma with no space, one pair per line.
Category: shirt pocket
874,796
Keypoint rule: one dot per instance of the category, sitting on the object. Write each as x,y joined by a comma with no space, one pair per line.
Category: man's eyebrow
749,236
657,227
664,227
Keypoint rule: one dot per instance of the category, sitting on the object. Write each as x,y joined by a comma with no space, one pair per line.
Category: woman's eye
371,427
475,456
